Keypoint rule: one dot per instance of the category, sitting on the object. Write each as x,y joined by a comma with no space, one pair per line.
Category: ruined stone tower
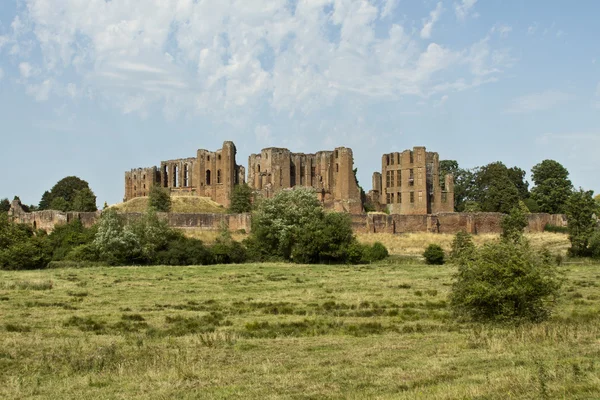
209,174
329,173
409,183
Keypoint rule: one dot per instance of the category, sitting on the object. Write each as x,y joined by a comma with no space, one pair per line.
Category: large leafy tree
517,177
62,196
84,201
552,186
495,190
580,209
464,183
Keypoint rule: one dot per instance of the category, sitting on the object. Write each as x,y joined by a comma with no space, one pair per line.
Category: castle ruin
210,174
409,184
329,173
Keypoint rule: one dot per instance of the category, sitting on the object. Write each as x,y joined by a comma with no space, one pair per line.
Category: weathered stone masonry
409,184
329,173
209,174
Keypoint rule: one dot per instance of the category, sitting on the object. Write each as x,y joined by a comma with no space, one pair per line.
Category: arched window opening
258,167
337,167
165,176
219,157
219,176
208,176
175,176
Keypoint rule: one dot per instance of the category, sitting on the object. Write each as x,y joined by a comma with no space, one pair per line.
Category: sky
94,88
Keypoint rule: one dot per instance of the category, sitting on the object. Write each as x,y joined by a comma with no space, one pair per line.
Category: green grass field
272,331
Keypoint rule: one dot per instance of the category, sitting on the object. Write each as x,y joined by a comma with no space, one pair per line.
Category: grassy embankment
179,204
283,331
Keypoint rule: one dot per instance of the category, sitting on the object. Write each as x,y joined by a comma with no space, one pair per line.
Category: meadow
267,331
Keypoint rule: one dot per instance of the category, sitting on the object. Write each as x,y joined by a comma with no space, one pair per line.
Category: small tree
115,243
552,186
434,254
580,210
506,282
59,204
513,225
159,199
241,199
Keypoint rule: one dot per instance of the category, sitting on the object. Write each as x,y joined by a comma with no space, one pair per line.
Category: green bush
594,245
32,253
184,251
241,199
462,246
506,282
555,229
434,255
377,252
513,225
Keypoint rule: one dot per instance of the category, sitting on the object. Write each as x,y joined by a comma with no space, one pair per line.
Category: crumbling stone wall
409,184
210,174
329,173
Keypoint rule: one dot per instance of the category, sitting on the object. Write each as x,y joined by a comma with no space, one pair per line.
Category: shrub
377,252
594,245
184,251
506,282
462,246
555,228
115,243
434,255
32,253
513,225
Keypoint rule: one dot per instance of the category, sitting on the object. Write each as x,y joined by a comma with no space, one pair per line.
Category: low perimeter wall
448,222
365,223
48,219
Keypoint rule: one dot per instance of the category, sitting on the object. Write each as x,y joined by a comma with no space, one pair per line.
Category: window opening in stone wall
292,175
411,177
144,177
391,198
411,157
336,154
398,155
208,176
135,177
387,198
258,168
186,176
387,159
218,176
337,167
387,179
399,198
144,186
219,157
165,176
175,176
392,159
412,197
207,158
399,178
135,188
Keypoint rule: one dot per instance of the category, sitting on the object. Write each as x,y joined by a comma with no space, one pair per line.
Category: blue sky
98,87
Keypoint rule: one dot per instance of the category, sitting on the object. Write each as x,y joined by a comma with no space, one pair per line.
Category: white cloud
41,91
25,69
463,9
538,102
428,24
17,26
389,7
3,41
231,57
502,30
442,101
